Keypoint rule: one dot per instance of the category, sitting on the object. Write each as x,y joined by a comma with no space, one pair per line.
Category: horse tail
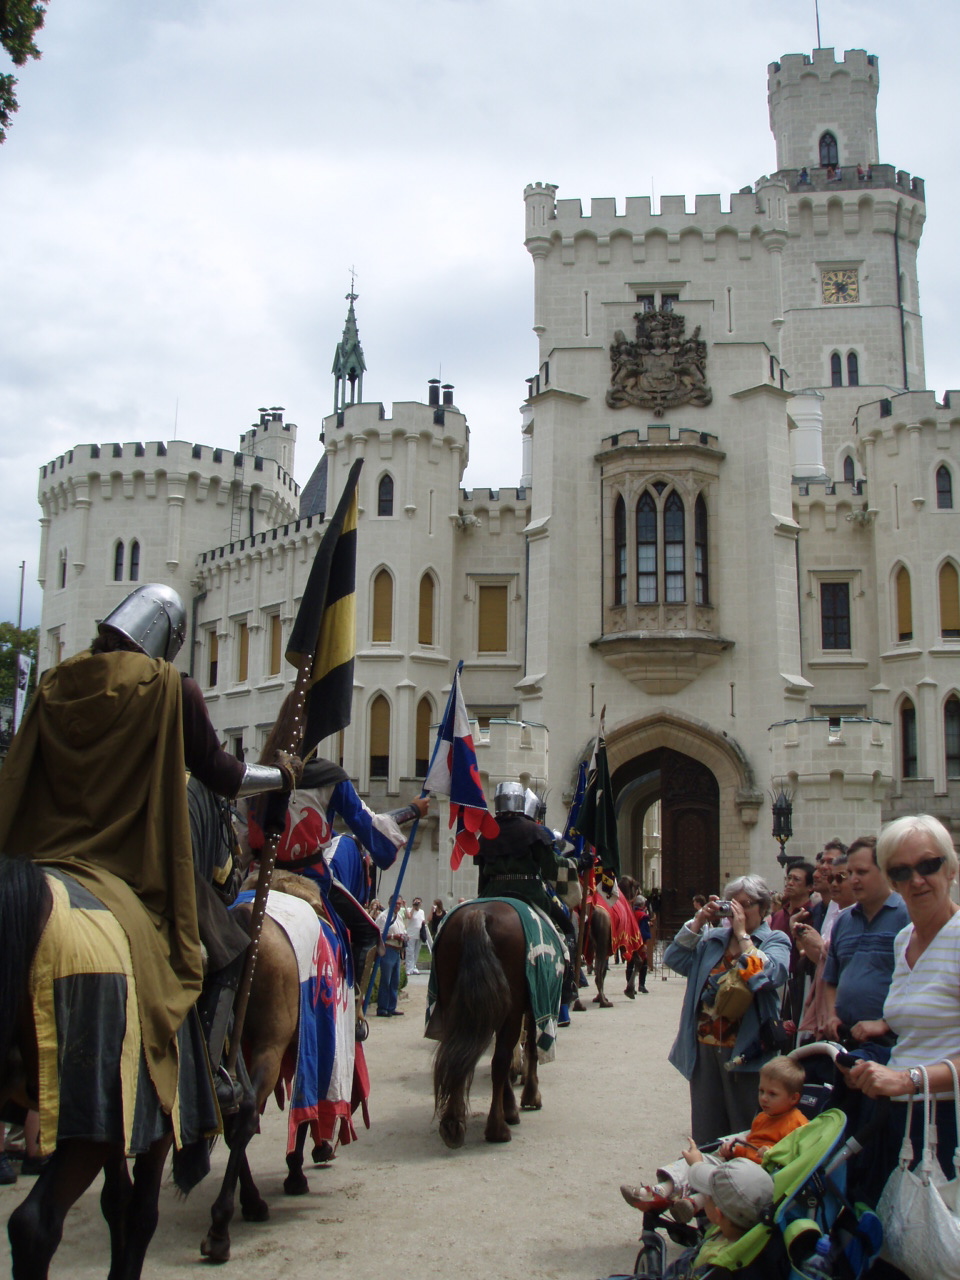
476,1009
24,900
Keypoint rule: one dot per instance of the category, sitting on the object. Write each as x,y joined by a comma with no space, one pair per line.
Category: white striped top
923,1003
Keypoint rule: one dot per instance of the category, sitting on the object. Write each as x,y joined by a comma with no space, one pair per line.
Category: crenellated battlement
660,435
795,68
895,414
283,537
89,463
567,219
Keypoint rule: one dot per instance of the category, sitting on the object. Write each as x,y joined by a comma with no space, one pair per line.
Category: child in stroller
810,1202
779,1093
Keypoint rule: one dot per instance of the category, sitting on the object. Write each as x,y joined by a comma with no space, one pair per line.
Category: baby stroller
810,1201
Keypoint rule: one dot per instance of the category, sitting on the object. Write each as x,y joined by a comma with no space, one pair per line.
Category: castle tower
823,112
348,362
851,313
271,438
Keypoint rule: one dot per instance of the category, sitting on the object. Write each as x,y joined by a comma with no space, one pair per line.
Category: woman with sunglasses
923,1004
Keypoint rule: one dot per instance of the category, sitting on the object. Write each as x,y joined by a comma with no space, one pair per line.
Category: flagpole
392,905
295,731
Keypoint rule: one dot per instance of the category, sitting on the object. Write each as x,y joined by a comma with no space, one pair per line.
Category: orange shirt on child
766,1131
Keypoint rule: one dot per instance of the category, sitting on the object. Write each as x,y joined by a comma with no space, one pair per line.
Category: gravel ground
544,1206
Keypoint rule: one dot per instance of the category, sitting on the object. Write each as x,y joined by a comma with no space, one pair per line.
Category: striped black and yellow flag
326,624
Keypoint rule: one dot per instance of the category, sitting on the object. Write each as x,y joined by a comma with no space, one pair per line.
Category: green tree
12,642
20,20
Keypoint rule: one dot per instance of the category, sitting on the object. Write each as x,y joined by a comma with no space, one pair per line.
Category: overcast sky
188,182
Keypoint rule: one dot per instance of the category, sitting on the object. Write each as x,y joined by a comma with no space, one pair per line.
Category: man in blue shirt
859,964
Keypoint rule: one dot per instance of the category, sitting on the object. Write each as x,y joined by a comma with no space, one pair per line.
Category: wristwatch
916,1079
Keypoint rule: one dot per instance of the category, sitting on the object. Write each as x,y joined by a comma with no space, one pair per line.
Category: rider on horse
516,864
94,784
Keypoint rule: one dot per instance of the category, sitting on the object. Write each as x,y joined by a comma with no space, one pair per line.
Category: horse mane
24,903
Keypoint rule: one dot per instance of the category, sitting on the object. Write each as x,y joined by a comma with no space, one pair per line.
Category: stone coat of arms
662,368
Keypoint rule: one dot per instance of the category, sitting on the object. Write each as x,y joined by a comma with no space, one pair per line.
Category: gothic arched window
951,735
379,737
904,605
944,489
385,496
853,370
134,561
646,550
620,552
949,602
673,549
118,562
382,630
848,475
829,156
425,610
424,742
908,739
700,551
836,370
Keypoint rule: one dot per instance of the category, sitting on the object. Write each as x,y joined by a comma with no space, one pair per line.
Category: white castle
738,525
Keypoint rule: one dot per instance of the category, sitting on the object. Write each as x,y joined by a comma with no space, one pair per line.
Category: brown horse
271,1027
602,941
36,1226
480,964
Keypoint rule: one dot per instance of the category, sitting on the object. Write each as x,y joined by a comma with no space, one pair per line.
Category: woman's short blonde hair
892,835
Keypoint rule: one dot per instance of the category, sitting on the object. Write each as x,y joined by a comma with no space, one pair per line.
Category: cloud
187,184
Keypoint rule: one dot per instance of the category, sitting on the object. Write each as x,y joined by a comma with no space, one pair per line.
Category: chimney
433,391
447,393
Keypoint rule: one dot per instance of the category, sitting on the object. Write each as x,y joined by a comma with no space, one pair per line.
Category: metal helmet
509,797
534,806
153,618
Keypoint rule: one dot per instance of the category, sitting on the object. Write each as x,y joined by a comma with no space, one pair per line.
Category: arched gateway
708,802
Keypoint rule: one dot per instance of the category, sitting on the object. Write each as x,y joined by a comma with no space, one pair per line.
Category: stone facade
737,526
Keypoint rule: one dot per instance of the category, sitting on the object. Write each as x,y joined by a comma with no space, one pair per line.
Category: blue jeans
389,981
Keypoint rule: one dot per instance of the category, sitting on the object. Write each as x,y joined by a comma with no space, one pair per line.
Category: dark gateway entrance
689,827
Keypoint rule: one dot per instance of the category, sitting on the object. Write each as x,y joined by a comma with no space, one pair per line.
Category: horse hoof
453,1133
512,1117
215,1250
323,1153
631,995
258,1211
535,1105
597,1000
579,1006
499,1134
606,1004
295,1184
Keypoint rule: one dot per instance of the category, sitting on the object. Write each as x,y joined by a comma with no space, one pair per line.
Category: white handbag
919,1210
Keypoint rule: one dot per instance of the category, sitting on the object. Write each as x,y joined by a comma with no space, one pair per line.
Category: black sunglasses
928,867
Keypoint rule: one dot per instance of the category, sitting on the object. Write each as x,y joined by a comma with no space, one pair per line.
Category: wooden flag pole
267,862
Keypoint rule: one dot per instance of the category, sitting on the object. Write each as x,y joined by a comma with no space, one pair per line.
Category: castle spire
348,362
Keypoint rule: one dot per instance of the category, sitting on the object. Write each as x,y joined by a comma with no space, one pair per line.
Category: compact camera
724,908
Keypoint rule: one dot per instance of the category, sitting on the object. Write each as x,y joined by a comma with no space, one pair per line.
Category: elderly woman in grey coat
721,1056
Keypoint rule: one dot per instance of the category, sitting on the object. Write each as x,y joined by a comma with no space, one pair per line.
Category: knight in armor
520,861
94,783
309,845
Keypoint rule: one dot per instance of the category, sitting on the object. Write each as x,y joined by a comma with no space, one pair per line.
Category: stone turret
814,98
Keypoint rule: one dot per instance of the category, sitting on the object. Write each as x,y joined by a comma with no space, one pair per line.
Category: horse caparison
35,1228
482,993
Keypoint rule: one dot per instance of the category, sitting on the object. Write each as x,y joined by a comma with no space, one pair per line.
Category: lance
268,860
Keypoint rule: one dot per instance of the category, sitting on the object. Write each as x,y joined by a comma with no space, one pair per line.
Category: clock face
840,285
